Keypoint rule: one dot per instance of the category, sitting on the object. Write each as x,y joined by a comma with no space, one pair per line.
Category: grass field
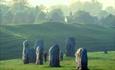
97,61
91,36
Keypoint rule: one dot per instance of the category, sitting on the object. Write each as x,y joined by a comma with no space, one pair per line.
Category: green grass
96,61
91,36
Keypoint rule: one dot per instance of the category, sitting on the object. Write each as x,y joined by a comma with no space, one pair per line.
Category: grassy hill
96,61
91,36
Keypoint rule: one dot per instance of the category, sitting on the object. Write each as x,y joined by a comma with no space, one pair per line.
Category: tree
84,17
40,15
109,20
56,15
110,10
20,11
94,7
5,14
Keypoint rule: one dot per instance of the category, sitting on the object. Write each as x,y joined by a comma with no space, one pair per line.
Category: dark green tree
84,17
109,20
56,15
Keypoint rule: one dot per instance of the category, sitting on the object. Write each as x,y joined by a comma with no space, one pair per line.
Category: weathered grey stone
38,55
28,55
70,47
39,52
82,59
31,55
25,52
54,58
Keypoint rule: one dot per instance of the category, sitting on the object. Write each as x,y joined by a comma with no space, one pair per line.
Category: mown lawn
97,61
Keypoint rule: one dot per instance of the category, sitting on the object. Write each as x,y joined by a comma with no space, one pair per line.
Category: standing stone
39,52
38,55
45,56
25,52
31,55
81,59
70,47
84,59
54,58
28,55
61,56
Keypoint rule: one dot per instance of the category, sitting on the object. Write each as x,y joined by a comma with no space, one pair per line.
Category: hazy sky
66,2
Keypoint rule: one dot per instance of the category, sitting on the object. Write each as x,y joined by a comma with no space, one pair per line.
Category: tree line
88,12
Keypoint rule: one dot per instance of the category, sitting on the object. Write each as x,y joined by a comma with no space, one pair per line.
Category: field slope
91,36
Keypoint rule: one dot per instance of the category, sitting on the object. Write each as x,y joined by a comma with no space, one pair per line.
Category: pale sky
68,2
49,3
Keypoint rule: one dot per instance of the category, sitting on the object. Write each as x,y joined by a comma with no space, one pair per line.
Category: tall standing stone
39,52
70,47
31,55
82,59
28,55
25,52
54,56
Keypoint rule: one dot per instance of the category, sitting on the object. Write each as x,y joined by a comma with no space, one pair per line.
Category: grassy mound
91,36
